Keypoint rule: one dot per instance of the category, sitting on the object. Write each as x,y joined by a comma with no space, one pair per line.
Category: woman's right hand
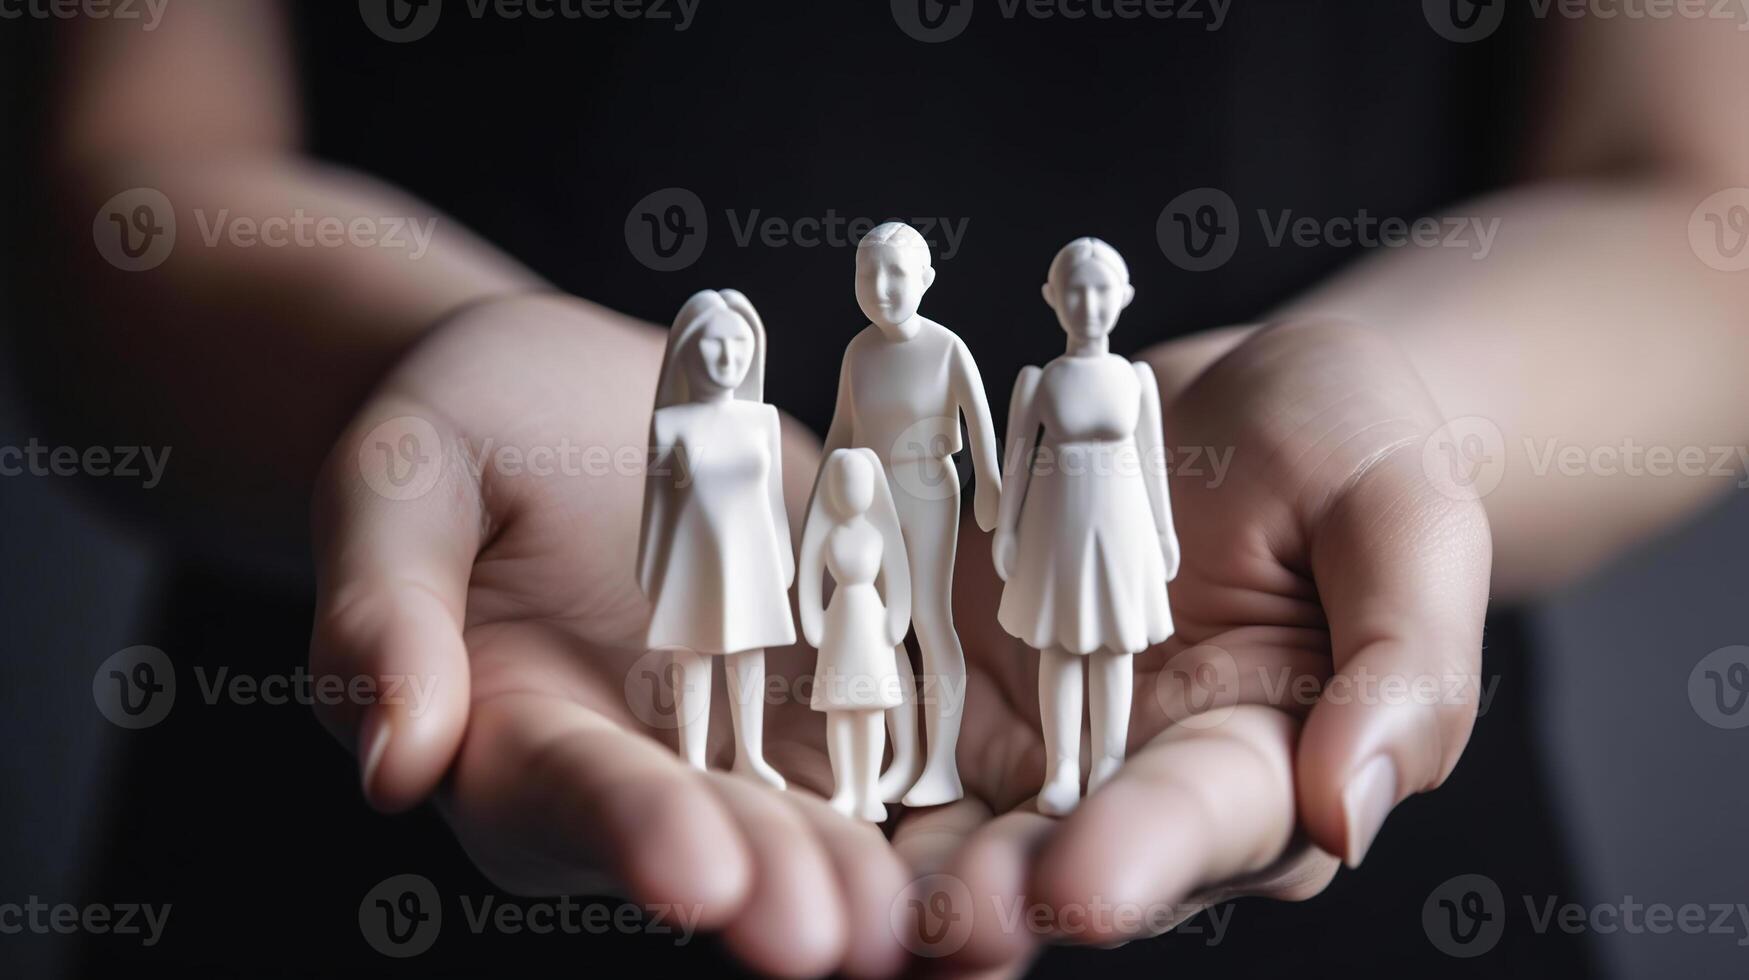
476,529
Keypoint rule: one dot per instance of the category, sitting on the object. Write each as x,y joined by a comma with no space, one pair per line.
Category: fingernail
1366,803
373,740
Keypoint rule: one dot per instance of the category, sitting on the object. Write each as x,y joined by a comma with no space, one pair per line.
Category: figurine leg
746,672
931,535
692,704
907,762
1108,710
1059,709
841,751
871,743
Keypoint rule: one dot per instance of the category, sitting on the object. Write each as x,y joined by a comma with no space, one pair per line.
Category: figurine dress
723,544
857,668
1084,579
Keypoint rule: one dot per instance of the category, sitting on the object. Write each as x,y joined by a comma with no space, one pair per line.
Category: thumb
396,526
1402,571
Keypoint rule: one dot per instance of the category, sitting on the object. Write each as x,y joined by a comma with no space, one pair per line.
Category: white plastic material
1085,542
714,549
853,533
905,383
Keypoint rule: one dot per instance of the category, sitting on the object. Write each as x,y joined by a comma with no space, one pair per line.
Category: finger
927,839
396,523
935,915
870,878
547,794
993,864
793,924
1402,571
1198,806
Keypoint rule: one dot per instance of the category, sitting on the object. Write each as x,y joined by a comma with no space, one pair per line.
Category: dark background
1591,778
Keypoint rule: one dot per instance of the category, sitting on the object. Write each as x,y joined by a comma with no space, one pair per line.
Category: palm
1210,800
511,580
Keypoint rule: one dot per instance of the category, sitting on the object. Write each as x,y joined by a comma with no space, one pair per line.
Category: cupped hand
476,532
1329,621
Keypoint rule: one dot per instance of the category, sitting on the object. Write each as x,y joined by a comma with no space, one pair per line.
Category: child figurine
853,532
714,549
905,383
1085,541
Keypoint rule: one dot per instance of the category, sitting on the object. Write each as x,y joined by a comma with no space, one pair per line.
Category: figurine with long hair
714,548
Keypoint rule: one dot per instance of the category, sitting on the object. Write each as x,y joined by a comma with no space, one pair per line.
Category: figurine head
715,348
893,271
1088,286
849,483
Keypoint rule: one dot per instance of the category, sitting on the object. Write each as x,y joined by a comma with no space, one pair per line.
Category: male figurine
905,382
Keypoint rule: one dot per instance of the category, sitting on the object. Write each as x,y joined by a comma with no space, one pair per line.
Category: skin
1324,553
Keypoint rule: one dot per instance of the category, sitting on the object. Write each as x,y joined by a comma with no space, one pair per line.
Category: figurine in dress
1085,543
905,383
853,533
714,552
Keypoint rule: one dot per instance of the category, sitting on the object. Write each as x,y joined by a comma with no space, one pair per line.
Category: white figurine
853,532
714,549
1085,542
905,382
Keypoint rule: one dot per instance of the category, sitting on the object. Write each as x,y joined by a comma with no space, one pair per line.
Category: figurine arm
810,568
1023,426
774,484
968,394
1151,446
655,514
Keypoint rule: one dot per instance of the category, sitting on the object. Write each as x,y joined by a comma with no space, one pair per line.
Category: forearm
245,340
1606,352
288,338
